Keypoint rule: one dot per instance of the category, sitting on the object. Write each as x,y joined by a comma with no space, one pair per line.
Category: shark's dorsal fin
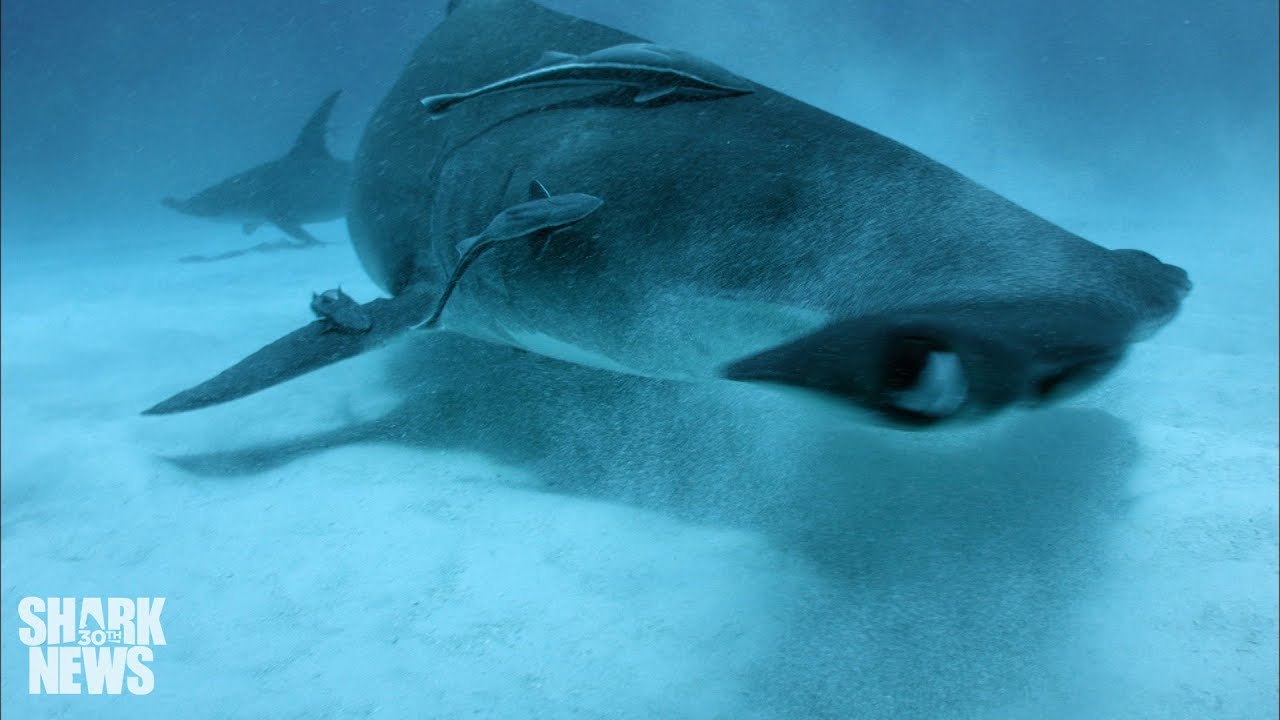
311,140
538,191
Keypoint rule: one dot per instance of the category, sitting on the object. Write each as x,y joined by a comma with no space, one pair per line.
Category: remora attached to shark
750,237
537,219
306,185
652,71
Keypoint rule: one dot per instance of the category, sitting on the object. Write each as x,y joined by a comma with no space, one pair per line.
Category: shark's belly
623,323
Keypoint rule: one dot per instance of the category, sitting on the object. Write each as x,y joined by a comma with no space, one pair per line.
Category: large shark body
306,185
749,237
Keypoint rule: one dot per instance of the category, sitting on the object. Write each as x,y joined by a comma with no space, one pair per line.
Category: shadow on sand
270,246
948,564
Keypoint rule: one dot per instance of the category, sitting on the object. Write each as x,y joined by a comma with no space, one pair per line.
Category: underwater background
443,529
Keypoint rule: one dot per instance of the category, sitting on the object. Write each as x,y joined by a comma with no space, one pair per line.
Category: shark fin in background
311,140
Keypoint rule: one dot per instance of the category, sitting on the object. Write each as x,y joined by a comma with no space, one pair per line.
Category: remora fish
341,310
760,240
537,219
655,72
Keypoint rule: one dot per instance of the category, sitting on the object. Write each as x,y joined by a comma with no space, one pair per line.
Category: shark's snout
191,206
1158,286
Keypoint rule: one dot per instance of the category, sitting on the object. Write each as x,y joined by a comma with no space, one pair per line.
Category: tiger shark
306,185
745,237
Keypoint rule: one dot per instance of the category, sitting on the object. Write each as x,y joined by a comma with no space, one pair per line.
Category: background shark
307,185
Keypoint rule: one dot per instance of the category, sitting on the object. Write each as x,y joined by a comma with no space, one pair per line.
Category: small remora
654,72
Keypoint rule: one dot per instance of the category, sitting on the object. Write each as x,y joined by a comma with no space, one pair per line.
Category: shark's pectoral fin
301,351
538,243
296,232
924,366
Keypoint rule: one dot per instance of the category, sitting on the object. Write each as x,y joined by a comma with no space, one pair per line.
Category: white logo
106,648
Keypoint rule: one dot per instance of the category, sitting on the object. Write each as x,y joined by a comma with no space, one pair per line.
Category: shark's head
923,366
191,206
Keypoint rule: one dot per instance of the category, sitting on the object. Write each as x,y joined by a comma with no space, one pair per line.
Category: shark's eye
922,379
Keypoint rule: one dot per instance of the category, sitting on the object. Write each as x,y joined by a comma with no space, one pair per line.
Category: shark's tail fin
311,141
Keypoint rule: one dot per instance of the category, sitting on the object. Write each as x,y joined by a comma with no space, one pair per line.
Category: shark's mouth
921,368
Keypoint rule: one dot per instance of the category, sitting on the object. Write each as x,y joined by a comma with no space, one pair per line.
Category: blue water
512,538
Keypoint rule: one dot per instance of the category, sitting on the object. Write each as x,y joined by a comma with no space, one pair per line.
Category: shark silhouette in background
306,185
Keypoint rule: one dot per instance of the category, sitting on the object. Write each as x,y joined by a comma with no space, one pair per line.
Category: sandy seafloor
444,529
